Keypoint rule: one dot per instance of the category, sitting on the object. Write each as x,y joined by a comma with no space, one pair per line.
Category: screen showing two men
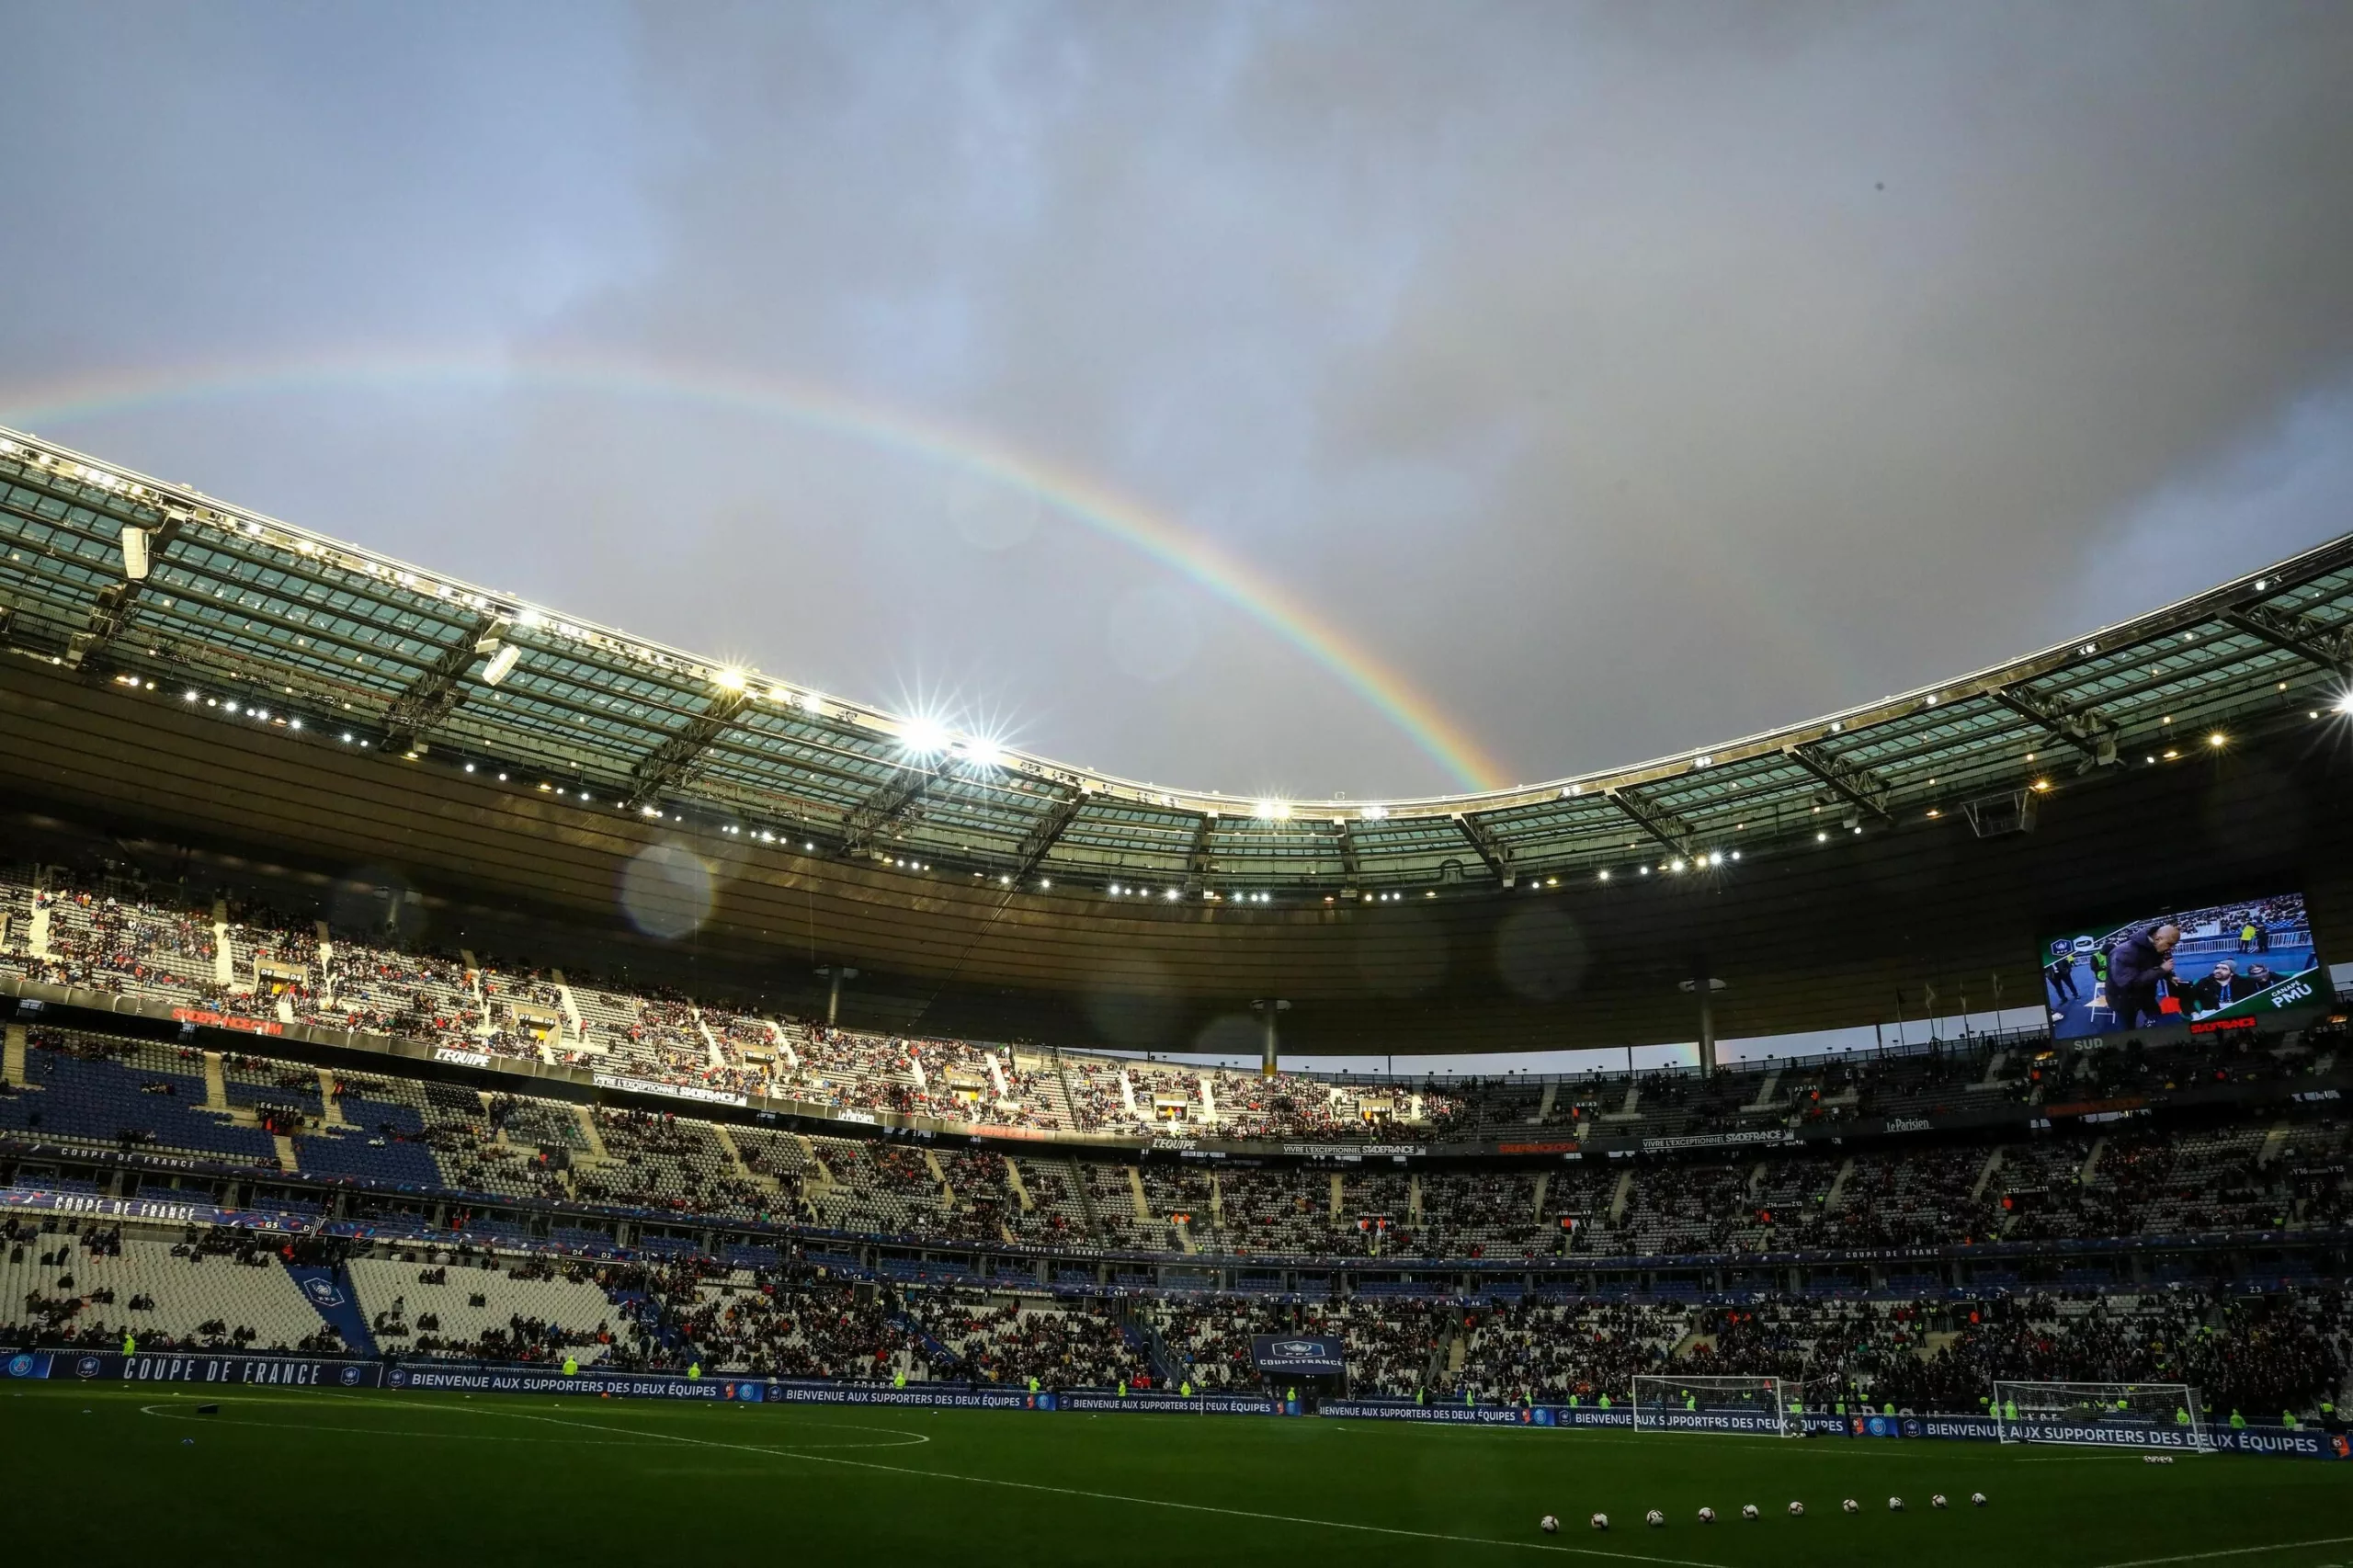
2217,967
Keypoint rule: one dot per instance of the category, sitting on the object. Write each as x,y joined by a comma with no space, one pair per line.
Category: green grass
97,1474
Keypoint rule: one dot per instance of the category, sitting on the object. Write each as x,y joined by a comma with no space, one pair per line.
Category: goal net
2132,1416
1664,1402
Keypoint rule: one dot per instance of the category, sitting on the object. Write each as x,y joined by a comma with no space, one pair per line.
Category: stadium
441,1027
1260,782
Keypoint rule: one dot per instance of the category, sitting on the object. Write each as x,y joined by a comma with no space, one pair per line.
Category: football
1601,1521
1548,1524
1895,1504
1748,1511
1977,1499
1939,1501
1851,1505
1797,1511
1707,1516
1654,1519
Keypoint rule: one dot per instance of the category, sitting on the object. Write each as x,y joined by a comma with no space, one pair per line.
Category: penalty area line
2230,1552
1143,1502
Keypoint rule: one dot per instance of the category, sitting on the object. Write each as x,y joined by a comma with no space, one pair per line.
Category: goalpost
2133,1415
1741,1403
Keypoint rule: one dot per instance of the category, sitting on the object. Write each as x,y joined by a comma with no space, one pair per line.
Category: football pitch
100,1473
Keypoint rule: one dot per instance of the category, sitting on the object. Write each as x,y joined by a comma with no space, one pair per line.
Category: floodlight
502,663
923,737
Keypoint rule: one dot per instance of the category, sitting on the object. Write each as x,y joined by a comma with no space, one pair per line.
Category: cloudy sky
1294,398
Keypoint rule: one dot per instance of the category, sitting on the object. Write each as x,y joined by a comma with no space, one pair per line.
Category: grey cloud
1630,377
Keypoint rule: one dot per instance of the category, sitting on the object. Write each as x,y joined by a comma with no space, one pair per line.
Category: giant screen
2218,966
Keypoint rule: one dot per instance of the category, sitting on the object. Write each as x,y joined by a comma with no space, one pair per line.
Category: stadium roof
198,600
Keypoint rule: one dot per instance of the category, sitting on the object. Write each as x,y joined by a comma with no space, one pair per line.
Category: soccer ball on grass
1601,1521
1548,1524
1707,1516
1797,1511
1748,1510
1654,1519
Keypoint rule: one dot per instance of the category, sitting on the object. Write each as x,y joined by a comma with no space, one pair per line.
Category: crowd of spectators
107,932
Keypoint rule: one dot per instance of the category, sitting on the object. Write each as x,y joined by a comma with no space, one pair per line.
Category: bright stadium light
1271,811
2218,740
982,752
2344,704
1374,813
923,737
729,680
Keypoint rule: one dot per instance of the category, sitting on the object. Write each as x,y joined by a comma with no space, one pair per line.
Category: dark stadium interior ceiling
1277,400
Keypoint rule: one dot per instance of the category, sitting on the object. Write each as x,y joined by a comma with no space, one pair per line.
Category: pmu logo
323,1291
87,1367
2286,996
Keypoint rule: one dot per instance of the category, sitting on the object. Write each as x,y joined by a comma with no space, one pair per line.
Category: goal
2130,1416
1719,1405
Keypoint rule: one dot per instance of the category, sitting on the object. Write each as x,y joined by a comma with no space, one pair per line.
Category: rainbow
1065,490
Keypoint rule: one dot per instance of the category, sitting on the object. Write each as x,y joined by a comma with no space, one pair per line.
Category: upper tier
271,974
181,672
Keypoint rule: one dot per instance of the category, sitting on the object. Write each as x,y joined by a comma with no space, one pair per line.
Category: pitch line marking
169,1412
166,1412
654,1407
1145,1502
2230,1552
